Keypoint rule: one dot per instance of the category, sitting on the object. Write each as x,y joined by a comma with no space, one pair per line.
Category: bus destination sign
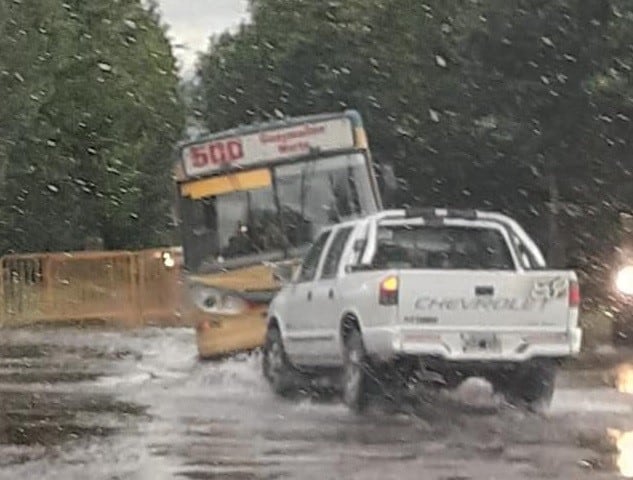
268,145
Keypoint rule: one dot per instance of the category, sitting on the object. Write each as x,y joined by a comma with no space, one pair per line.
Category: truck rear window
441,247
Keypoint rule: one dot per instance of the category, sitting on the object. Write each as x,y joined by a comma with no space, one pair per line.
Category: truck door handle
330,294
484,290
309,296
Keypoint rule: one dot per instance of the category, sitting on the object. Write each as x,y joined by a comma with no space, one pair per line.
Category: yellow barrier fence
132,288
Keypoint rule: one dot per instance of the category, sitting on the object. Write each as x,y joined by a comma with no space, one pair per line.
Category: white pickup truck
434,295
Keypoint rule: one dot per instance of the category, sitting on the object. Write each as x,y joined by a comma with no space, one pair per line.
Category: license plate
481,342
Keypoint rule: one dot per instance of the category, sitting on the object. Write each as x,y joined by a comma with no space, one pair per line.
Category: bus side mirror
389,183
283,273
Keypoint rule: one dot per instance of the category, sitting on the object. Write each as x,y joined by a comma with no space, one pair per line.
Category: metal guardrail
131,288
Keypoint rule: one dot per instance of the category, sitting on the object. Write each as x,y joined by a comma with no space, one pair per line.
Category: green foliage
88,121
522,106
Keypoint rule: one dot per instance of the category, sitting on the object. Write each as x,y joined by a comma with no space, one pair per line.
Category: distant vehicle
431,296
623,283
255,196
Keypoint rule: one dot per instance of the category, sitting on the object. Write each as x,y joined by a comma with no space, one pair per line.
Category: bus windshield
269,222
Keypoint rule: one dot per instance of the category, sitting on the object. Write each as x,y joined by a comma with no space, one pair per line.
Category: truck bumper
386,343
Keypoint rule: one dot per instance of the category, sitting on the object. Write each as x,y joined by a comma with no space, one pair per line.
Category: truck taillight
574,294
389,291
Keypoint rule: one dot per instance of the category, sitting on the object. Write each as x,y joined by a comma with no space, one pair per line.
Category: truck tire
356,379
531,386
277,369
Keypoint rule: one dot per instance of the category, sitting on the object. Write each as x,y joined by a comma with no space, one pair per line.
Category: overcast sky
192,22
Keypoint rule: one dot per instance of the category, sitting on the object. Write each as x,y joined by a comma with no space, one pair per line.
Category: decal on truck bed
549,289
542,292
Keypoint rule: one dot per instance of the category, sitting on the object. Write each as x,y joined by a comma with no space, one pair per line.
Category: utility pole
556,247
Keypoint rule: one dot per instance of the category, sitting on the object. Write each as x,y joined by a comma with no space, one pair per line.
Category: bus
252,199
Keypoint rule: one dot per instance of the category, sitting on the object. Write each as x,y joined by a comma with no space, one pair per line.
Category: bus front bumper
222,335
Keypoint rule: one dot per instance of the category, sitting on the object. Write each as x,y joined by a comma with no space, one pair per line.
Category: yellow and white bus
254,197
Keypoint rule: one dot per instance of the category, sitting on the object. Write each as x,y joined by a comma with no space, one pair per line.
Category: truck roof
437,213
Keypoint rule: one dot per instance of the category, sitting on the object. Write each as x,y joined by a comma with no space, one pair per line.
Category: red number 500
216,153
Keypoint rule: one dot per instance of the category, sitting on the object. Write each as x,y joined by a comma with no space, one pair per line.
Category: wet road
139,405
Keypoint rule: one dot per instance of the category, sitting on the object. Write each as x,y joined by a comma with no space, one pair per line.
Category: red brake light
574,294
389,291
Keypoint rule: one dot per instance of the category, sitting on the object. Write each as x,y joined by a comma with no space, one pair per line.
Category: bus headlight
211,300
624,280
168,260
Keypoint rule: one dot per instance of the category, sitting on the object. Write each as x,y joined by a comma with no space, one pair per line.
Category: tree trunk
556,247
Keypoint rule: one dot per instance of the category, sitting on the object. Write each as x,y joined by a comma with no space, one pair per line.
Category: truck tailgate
462,299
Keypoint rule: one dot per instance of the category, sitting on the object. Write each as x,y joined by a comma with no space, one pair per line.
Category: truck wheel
276,367
532,386
355,375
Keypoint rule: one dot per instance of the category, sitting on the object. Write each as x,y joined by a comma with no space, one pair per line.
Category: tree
522,106
87,137
546,73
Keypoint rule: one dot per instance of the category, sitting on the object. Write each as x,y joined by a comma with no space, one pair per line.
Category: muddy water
139,405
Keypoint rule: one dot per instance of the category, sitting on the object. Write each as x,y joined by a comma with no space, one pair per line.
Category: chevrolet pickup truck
428,297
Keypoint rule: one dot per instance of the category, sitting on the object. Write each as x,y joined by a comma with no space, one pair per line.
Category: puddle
52,419
48,377
224,474
24,351
34,412
111,381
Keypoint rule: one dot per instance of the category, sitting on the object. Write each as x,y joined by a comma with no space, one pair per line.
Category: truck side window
311,260
335,252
